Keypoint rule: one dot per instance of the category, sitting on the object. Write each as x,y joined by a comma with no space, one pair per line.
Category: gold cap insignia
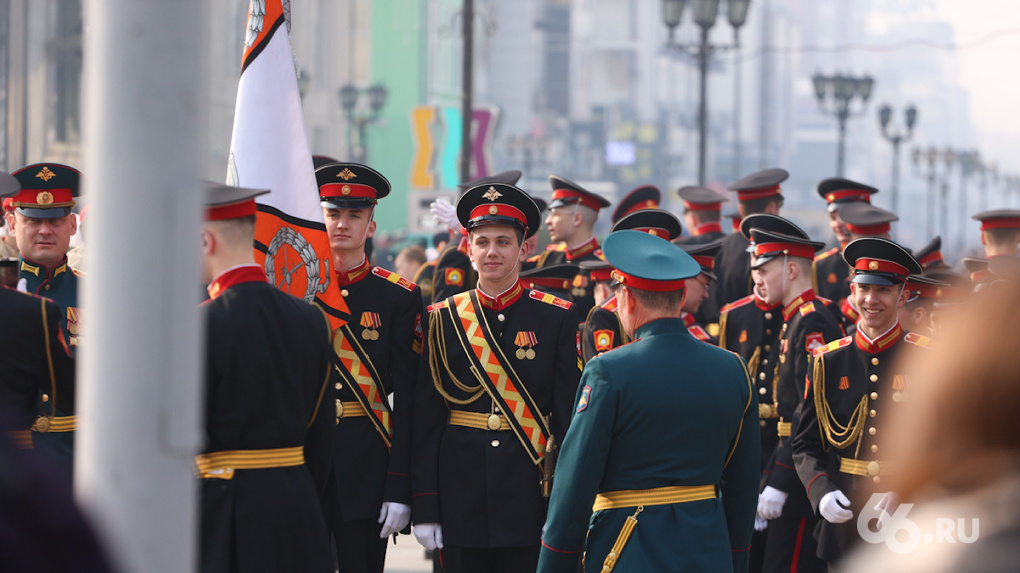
346,174
492,194
346,189
873,265
493,210
831,197
45,174
44,198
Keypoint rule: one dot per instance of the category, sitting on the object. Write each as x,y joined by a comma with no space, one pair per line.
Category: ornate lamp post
842,91
350,96
896,137
705,14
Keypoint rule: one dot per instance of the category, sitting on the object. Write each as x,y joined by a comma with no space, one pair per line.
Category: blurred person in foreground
957,442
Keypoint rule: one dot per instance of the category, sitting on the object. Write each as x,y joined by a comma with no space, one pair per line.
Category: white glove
23,285
445,214
543,529
885,504
394,517
834,507
429,535
770,503
760,524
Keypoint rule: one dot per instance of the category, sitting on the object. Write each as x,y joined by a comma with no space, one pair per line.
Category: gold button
874,361
762,390
339,386
873,377
500,317
876,479
872,431
45,397
765,362
761,423
872,413
339,409
768,347
761,376
873,468
47,287
344,292
874,448
494,443
768,331
874,395
768,316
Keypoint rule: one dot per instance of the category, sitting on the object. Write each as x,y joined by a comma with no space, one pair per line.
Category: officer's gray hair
666,301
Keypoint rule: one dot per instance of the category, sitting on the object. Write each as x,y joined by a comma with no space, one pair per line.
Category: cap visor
761,261
51,213
347,203
872,279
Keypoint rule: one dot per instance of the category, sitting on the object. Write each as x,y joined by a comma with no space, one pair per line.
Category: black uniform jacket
481,485
581,291
453,272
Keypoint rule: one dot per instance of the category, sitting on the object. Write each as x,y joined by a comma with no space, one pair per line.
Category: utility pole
467,87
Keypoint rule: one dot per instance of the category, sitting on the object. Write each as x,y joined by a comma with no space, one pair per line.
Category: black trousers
790,546
358,546
490,560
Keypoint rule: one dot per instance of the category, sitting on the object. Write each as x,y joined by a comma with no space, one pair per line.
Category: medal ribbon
361,377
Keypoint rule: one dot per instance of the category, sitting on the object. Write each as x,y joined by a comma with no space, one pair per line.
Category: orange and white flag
269,150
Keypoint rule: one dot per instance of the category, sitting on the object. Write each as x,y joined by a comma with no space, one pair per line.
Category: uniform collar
503,299
688,319
250,273
760,303
660,325
705,228
346,278
587,247
848,310
40,271
882,343
806,296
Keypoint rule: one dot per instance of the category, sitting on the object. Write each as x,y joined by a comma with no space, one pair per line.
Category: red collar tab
1001,223
790,309
866,265
646,284
792,249
500,302
848,195
347,190
702,206
569,195
705,228
884,342
848,310
869,230
760,303
236,276
583,250
752,194
354,275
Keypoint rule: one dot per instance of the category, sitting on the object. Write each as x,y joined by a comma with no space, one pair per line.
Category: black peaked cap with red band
922,286
646,262
700,198
703,253
768,245
644,197
350,186
930,255
879,261
510,177
559,277
866,219
598,270
47,190
998,219
498,204
658,222
760,185
566,192
228,202
838,191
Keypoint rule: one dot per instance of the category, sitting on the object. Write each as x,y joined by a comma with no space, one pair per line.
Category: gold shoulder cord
814,275
49,359
832,431
752,363
723,317
437,357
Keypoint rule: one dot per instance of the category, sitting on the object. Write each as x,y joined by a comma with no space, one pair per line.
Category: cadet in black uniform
377,354
922,292
556,280
1000,231
268,401
863,220
700,287
571,220
701,212
855,385
499,378
643,197
602,330
756,193
782,272
832,276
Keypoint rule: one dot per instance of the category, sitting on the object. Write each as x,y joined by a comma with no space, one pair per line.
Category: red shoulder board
534,258
550,299
700,333
826,254
556,247
918,340
598,253
610,304
833,345
806,309
437,306
737,303
393,278
823,300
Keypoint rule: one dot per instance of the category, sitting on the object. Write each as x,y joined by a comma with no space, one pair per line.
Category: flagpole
139,388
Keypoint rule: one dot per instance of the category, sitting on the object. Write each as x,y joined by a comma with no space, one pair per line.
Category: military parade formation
672,397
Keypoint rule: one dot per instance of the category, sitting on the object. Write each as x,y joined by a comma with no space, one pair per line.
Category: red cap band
658,232
649,204
848,195
709,227
1002,223
752,194
43,198
347,190
583,199
880,266
931,258
704,261
879,229
8,203
602,274
498,210
794,250
702,206
232,211
923,290
647,284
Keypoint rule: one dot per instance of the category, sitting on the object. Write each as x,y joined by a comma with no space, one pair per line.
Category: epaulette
823,300
610,304
918,339
737,303
436,306
833,345
806,308
698,332
826,254
556,247
393,278
598,253
550,299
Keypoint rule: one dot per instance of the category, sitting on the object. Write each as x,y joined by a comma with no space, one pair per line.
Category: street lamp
705,14
736,13
842,90
896,136
350,96
938,189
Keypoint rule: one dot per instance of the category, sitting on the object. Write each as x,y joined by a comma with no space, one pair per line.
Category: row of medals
370,334
523,353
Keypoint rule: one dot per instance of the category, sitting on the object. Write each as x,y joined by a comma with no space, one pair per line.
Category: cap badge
45,174
873,265
44,198
493,210
831,197
492,194
345,190
346,174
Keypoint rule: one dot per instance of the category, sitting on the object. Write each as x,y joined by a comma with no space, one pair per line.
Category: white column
139,377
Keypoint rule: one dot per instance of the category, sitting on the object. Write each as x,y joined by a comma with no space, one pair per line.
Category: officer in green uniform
856,384
43,224
671,463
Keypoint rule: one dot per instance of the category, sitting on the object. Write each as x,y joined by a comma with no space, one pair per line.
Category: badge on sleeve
603,340
812,341
454,277
582,402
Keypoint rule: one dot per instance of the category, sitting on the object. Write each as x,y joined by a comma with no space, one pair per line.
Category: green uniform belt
479,420
221,465
656,496
44,424
864,468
